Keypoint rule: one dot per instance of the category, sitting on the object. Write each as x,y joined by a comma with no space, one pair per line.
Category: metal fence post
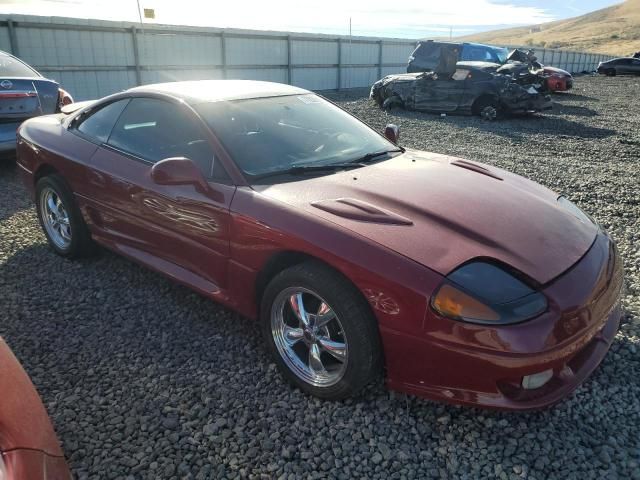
339,86
13,40
223,54
136,54
289,59
379,58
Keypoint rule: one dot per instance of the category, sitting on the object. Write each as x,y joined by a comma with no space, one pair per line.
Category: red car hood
24,423
442,211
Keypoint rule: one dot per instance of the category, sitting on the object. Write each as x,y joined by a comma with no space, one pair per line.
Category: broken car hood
435,57
442,211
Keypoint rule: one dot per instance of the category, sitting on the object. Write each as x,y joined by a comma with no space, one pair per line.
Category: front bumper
560,84
481,366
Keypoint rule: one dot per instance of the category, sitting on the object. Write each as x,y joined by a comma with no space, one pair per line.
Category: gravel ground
144,379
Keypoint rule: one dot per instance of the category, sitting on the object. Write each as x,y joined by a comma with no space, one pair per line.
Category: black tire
487,108
392,102
364,360
81,244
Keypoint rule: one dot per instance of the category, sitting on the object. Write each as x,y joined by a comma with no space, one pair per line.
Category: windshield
12,67
484,53
267,135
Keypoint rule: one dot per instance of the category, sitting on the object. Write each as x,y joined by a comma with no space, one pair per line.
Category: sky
387,18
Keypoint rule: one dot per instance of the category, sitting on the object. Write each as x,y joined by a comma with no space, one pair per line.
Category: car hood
435,57
442,211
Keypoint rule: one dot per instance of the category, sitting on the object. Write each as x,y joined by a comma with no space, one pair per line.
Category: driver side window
154,129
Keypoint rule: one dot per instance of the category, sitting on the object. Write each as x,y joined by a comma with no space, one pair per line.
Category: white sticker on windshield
309,99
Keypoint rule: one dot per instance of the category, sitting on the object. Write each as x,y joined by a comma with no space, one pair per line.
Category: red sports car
29,449
460,281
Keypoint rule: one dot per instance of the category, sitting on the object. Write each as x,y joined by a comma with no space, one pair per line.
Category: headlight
574,210
480,292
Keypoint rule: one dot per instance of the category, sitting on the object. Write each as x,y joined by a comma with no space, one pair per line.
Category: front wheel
320,331
487,108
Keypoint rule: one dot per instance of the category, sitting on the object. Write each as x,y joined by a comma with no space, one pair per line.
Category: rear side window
12,67
98,125
154,129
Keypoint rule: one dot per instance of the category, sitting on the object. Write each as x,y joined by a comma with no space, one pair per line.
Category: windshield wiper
302,169
371,156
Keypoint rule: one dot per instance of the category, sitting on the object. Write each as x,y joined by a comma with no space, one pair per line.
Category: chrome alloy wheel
55,218
313,345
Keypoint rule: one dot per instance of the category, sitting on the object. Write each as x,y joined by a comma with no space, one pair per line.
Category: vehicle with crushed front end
463,88
522,65
358,258
24,93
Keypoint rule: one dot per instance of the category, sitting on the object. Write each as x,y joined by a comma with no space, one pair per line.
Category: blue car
24,93
430,52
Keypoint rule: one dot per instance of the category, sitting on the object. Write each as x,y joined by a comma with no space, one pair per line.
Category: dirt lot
144,379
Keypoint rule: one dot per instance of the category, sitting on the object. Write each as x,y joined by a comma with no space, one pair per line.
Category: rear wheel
392,102
320,331
61,219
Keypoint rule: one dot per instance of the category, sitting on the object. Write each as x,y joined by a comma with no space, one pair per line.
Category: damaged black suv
447,85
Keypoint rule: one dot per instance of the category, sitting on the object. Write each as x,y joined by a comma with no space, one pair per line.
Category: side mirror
392,133
177,171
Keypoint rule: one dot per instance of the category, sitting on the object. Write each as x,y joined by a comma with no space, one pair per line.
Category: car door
178,229
623,66
442,94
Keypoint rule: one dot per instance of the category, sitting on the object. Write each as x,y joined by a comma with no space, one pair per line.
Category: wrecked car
522,65
471,88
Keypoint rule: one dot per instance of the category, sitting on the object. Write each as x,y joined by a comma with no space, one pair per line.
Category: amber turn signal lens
453,303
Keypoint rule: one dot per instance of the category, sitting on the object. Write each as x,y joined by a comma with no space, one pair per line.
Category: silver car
620,66
24,93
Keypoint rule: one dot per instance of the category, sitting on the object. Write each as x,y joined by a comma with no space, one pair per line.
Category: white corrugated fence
93,58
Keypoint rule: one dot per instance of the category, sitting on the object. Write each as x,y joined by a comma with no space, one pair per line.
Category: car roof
201,91
473,44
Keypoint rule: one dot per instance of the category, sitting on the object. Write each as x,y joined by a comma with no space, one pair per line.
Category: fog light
530,382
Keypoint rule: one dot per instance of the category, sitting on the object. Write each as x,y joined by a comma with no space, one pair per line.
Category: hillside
614,30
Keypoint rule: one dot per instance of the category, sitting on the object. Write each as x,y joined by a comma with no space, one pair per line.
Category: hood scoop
361,211
475,168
